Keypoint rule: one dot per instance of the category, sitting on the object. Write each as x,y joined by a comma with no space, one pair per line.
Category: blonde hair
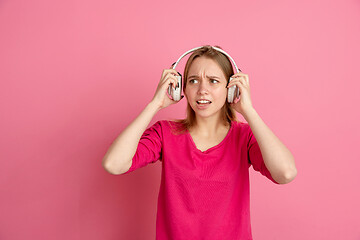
228,113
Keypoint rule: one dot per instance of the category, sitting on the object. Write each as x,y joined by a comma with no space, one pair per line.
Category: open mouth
203,102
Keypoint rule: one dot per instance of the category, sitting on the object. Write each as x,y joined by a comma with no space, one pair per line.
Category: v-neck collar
212,148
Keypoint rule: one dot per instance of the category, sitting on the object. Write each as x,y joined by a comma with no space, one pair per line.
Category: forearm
123,149
277,158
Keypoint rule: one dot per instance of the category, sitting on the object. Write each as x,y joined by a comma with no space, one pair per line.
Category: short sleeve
255,157
149,147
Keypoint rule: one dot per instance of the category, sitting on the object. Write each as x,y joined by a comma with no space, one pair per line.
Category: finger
173,76
169,96
175,80
232,80
171,82
240,74
235,83
165,83
169,76
236,79
241,80
235,101
172,71
165,71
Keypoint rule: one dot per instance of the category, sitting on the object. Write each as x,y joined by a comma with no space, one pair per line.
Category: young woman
204,192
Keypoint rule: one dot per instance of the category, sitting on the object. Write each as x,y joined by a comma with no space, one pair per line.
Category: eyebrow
207,76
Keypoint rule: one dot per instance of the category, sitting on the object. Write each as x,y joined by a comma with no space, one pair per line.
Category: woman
204,192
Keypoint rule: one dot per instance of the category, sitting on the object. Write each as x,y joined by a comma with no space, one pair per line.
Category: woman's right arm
118,158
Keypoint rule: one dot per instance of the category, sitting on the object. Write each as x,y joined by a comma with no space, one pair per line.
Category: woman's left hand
242,104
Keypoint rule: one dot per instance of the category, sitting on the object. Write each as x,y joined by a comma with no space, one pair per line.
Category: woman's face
206,90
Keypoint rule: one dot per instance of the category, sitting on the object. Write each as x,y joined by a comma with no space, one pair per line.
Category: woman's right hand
161,97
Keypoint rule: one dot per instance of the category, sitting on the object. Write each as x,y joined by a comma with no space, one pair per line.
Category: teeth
203,101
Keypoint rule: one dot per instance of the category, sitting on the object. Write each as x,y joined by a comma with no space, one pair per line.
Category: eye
192,81
214,81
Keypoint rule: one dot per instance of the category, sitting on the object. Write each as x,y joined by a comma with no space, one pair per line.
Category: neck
209,126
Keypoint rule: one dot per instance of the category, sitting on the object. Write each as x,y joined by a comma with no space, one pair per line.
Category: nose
203,87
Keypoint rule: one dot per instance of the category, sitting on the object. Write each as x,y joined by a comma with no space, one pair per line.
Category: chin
206,114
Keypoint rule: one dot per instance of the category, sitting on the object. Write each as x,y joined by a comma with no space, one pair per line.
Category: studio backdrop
74,74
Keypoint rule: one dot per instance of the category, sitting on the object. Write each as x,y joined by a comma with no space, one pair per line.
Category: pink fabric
203,195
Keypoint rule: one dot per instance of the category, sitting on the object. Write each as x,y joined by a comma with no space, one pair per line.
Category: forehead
203,65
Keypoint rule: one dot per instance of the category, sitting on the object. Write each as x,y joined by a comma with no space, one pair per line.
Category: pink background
74,74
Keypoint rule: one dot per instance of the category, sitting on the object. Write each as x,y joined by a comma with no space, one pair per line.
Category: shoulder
173,127
241,129
240,125
168,125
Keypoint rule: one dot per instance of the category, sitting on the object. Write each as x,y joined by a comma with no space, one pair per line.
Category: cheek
221,92
188,92
185,92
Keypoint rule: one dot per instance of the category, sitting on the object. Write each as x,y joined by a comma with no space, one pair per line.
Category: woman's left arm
277,158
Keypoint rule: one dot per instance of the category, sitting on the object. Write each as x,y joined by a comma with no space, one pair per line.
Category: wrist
248,114
153,106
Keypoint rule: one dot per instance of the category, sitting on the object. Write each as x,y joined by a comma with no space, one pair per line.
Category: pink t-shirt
203,194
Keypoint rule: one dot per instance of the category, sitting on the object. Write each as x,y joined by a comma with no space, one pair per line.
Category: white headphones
233,92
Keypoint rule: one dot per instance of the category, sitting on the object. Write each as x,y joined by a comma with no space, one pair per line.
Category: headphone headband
218,49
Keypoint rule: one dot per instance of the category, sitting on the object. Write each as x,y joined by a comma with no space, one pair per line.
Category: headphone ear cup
176,94
231,94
